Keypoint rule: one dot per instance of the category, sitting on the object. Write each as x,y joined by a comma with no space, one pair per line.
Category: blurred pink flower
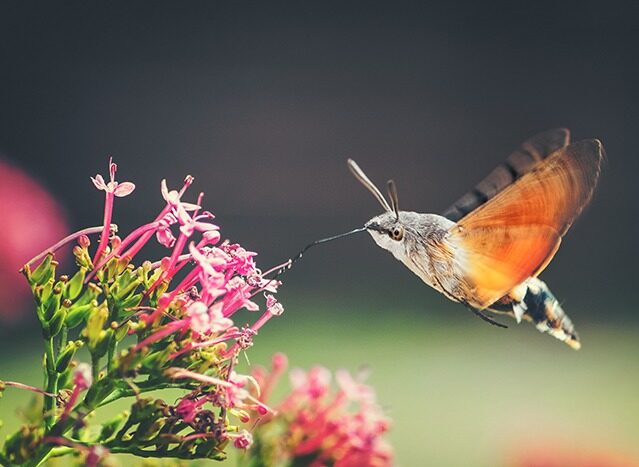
31,221
319,425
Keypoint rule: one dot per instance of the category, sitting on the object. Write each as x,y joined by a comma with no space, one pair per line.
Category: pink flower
118,189
82,376
172,197
111,189
187,409
163,234
312,384
273,306
205,320
323,426
242,440
32,219
95,455
240,259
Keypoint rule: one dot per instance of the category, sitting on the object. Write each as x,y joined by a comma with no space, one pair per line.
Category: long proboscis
364,180
298,256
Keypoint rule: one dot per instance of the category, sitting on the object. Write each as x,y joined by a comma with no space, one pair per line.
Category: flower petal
98,181
124,189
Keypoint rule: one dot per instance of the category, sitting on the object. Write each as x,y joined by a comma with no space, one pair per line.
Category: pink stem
106,230
65,240
179,246
26,387
188,180
208,343
162,333
71,403
185,257
132,236
134,250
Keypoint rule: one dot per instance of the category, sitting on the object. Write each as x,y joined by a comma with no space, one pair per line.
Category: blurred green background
263,103
459,392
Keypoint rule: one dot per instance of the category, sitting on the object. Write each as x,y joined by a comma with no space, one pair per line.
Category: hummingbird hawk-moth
488,248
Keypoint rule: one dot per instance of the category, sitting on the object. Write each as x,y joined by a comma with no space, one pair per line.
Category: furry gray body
417,250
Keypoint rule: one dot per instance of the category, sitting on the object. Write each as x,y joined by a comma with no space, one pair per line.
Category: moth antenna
392,195
364,180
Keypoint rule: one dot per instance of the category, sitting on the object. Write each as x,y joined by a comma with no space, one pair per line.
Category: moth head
388,232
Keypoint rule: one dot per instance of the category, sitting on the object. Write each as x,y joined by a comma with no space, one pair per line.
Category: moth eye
397,233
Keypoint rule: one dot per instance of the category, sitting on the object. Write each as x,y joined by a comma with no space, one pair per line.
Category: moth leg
483,317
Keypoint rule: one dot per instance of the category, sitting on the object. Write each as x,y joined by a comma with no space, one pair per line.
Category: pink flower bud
82,377
279,362
84,241
243,440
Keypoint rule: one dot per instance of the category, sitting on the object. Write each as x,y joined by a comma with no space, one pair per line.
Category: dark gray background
264,102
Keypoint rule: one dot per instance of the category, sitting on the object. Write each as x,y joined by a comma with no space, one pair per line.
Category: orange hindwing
515,234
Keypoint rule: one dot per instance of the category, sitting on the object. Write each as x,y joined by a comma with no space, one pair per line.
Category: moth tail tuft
541,308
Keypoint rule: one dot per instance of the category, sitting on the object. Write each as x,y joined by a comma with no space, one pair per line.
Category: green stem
142,388
110,354
95,367
51,384
61,451
112,317
174,453
63,339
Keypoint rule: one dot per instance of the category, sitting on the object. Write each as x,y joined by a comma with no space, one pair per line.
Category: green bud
95,325
149,429
111,427
123,264
91,292
131,301
121,331
98,391
42,292
26,271
65,357
125,287
78,313
111,268
56,323
53,304
45,270
103,343
159,291
74,286
159,358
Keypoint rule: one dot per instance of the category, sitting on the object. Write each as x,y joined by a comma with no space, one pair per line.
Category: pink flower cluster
219,278
324,426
